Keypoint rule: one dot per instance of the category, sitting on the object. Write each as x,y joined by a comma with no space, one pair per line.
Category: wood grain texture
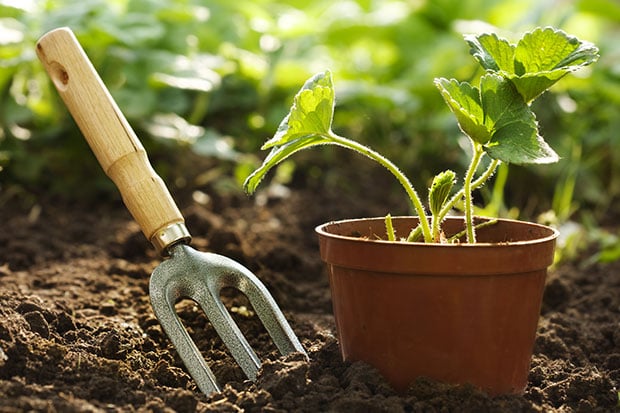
111,138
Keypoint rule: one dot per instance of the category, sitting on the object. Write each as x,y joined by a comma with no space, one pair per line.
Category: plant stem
481,225
467,189
436,228
402,179
414,234
389,228
476,184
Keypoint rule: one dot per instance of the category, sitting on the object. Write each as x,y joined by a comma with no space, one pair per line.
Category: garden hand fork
186,272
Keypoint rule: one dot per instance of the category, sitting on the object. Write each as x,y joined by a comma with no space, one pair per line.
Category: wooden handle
118,150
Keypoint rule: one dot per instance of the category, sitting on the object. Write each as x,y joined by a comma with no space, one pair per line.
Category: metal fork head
201,276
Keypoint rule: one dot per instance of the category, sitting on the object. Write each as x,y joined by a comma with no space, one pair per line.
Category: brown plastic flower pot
457,313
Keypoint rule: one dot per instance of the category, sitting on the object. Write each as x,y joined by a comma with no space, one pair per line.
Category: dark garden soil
77,333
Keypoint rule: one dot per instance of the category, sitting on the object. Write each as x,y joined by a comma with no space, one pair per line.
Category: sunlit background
216,77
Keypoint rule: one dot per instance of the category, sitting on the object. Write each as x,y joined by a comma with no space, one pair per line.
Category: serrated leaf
307,124
547,49
312,111
536,62
278,154
515,137
464,101
501,103
532,85
544,56
493,53
497,117
518,143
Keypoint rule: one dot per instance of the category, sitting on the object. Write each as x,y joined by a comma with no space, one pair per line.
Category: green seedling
496,116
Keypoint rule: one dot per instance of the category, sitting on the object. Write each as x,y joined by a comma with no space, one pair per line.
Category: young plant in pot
456,299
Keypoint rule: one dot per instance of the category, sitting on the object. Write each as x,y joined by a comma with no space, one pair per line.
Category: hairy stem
467,189
474,185
389,228
436,228
477,227
402,179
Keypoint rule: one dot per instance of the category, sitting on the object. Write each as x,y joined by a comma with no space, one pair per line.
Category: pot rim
322,230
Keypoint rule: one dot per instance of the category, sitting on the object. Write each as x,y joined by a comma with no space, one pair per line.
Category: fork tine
206,285
261,300
163,295
207,295
201,277
224,272
167,288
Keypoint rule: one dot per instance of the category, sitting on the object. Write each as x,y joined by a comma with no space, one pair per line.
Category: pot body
464,313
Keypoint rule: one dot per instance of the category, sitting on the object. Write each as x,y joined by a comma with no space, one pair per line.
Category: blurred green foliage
216,77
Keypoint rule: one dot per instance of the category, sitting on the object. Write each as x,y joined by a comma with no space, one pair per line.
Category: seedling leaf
463,100
307,124
518,143
541,58
515,137
312,111
278,154
492,52
496,117
440,190
544,56
501,103
549,49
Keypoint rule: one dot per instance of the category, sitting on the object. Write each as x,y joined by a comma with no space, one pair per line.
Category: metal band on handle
163,239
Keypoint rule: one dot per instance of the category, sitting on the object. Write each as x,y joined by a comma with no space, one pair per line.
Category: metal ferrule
163,239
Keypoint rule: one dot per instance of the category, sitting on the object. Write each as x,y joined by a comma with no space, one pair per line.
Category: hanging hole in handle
59,76
57,72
